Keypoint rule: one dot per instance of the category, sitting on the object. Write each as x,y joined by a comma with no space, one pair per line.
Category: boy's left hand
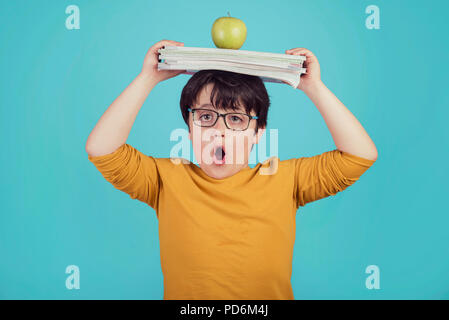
313,75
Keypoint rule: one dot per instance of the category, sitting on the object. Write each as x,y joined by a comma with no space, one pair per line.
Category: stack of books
270,67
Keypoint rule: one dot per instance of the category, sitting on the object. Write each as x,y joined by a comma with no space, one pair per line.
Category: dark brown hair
230,89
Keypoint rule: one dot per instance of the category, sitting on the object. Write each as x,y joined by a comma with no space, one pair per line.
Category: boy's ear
258,135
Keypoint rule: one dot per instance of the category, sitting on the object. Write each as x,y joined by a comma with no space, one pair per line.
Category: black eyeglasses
233,121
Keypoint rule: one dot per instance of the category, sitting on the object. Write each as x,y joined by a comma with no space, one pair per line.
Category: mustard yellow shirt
228,238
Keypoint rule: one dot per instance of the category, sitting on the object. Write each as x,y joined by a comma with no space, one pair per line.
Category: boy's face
221,152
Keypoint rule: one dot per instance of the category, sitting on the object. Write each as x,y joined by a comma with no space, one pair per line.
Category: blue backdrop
57,210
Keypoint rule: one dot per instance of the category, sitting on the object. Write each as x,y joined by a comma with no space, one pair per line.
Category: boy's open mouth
219,155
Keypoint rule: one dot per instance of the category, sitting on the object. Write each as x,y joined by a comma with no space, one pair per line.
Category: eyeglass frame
224,118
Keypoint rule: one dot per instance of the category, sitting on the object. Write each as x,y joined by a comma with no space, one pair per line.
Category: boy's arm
132,172
333,171
346,130
326,174
348,134
114,126
125,167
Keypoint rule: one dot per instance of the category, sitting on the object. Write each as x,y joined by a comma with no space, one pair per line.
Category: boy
227,230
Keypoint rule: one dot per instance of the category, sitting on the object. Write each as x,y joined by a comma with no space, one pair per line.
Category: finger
292,49
163,43
310,57
169,41
301,51
295,49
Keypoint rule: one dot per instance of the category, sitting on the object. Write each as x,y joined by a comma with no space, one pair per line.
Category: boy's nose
220,125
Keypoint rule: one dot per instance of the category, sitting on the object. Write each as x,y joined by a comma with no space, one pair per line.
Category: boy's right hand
152,58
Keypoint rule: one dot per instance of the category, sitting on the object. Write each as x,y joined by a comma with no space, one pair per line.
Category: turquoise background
57,210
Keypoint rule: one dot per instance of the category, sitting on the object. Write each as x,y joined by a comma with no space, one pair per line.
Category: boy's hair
229,88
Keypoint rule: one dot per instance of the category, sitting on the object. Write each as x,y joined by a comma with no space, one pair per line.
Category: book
270,67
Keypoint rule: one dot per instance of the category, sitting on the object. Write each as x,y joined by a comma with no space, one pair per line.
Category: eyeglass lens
235,121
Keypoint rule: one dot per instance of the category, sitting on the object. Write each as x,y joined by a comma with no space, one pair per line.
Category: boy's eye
236,119
205,117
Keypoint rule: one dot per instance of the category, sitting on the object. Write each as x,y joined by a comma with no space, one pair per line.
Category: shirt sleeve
132,172
326,174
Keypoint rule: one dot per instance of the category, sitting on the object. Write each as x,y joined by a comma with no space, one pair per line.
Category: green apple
228,32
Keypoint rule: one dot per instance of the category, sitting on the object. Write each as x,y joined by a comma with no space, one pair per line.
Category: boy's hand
313,75
152,58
